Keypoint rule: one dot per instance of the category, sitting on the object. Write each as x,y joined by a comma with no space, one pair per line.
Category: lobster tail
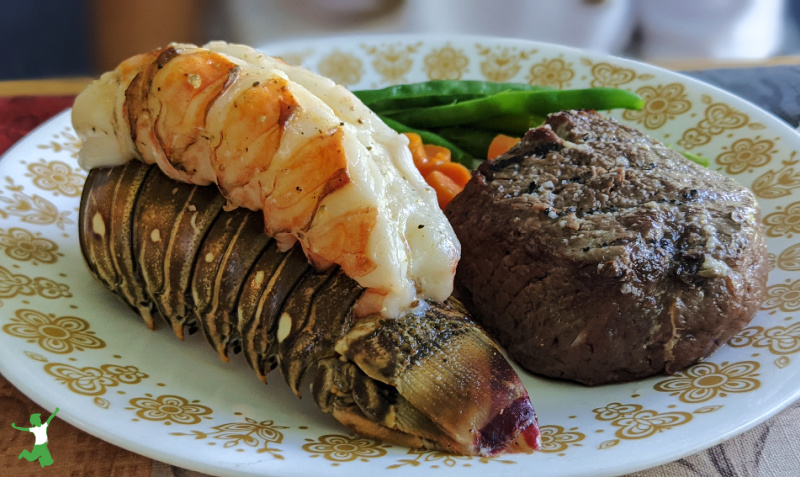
426,379
106,234
231,248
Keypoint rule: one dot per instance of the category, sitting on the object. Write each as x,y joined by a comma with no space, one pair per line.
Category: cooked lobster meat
349,285
323,168
428,378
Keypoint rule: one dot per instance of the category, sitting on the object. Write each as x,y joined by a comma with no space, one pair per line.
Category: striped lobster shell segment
431,379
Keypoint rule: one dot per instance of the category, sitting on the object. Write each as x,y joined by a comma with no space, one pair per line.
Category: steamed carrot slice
457,172
444,186
439,153
417,149
435,164
435,156
500,145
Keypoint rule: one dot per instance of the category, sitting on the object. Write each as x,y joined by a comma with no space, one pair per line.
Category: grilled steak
596,254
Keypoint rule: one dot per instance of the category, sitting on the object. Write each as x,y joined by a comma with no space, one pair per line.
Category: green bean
464,116
541,103
511,125
473,141
435,93
457,153
703,161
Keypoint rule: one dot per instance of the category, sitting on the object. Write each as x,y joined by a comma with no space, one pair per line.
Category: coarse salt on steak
594,253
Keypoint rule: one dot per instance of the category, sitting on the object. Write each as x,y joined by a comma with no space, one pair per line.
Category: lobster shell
169,249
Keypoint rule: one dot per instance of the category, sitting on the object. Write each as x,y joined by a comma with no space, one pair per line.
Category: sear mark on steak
594,253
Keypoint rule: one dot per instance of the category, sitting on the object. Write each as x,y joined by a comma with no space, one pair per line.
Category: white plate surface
66,342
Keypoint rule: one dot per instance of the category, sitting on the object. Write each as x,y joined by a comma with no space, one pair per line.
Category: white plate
66,342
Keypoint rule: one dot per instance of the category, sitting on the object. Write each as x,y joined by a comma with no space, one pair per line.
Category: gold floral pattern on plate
783,297
392,62
608,444
502,64
13,284
65,141
58,177
706,381
36,356
745,155
779,340
719,117
708,409
551,72
633,421
241,435
607,75
25,246
338,448
784,222
31,209
775,184
343,68
556,439
439,459
782,361
91,381
662,104
60,335
789,259
101,402
169,409
446,63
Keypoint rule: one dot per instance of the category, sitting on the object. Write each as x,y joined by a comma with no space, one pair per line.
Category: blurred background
48,38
